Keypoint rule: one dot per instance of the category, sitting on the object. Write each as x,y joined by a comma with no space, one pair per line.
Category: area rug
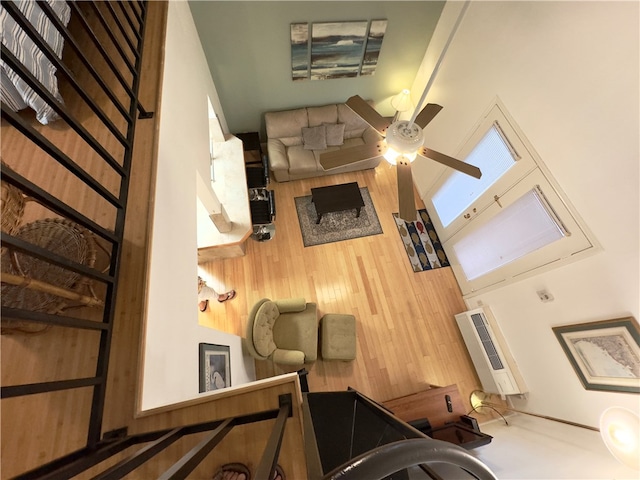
421,242
336,226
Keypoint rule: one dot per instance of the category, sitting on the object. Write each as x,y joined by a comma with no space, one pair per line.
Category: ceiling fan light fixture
403,138
391,156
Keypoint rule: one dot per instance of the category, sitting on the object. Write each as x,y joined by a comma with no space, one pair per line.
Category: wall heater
494,363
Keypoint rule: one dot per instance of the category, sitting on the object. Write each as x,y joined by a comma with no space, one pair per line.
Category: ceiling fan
402,141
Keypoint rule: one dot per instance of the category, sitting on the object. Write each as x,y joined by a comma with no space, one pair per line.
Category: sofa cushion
314,138
286,124
263,328
325,114
349,142
354,125
301,160
335,134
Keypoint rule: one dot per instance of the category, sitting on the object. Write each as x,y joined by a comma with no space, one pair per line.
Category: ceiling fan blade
427,114
347,156
368,114
451,162
406,198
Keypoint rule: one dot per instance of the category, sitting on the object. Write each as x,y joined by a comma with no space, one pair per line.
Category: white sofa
294,153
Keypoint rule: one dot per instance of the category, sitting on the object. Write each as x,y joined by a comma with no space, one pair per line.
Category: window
523,227
510,223
496,149
493,156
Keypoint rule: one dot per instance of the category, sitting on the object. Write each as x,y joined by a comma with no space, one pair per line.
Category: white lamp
402,102
620,431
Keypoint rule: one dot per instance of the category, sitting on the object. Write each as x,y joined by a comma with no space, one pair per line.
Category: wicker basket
12,207
43,283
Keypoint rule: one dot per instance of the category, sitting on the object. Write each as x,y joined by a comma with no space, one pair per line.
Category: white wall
568,74
537,449
170,371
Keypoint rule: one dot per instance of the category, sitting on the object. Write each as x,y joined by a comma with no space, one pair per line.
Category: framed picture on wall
604,354
215,367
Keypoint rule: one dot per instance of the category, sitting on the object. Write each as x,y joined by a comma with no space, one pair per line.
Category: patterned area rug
421,242
337,226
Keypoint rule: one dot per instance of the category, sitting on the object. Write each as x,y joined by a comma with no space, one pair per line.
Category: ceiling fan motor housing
404,138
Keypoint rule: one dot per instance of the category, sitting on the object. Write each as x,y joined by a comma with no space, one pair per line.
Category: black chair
258,174
262,203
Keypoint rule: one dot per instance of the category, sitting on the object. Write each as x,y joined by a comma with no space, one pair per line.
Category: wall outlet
545,296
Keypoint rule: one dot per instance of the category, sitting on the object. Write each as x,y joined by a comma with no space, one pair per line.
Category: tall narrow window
493,156
523,227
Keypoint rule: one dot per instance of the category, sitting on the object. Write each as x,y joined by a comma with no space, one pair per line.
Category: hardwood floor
407,335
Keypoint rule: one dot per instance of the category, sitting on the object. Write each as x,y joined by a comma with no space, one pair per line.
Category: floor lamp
619,427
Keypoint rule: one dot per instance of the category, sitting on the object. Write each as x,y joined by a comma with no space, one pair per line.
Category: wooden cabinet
440,405
251,147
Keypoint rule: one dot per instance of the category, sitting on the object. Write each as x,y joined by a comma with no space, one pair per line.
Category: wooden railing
65,185
158,441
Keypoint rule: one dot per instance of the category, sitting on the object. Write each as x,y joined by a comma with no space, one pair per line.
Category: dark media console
439,413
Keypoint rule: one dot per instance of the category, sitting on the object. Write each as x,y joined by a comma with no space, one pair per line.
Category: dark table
336,198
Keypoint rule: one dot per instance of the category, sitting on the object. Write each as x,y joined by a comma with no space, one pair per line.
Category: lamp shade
402,101
620,430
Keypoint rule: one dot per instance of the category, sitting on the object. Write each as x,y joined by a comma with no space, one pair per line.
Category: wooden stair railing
157,441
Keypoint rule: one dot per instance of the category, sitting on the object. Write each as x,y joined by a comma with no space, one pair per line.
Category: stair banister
383,461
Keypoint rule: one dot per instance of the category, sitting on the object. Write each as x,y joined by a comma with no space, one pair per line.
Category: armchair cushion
298,331
291,305
263,328
288,357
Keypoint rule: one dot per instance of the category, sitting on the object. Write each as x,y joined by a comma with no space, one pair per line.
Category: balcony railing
65,183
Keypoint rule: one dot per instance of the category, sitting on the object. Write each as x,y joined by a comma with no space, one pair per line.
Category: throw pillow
335,134
314,138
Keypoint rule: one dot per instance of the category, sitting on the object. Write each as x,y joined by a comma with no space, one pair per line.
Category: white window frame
574,243
525,163
528,173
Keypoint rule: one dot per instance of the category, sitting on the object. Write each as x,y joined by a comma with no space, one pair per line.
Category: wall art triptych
321,51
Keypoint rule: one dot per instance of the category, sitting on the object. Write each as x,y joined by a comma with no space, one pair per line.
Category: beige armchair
283,331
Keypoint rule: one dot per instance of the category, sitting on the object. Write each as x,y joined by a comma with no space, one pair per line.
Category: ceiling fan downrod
439,62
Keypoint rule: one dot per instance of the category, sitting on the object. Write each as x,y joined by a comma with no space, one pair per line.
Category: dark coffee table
336,198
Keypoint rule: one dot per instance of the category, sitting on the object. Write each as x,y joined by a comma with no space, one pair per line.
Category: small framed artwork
215,367
605,354
299,51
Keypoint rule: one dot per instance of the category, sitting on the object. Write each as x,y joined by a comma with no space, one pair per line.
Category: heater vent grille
488,349
487,343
